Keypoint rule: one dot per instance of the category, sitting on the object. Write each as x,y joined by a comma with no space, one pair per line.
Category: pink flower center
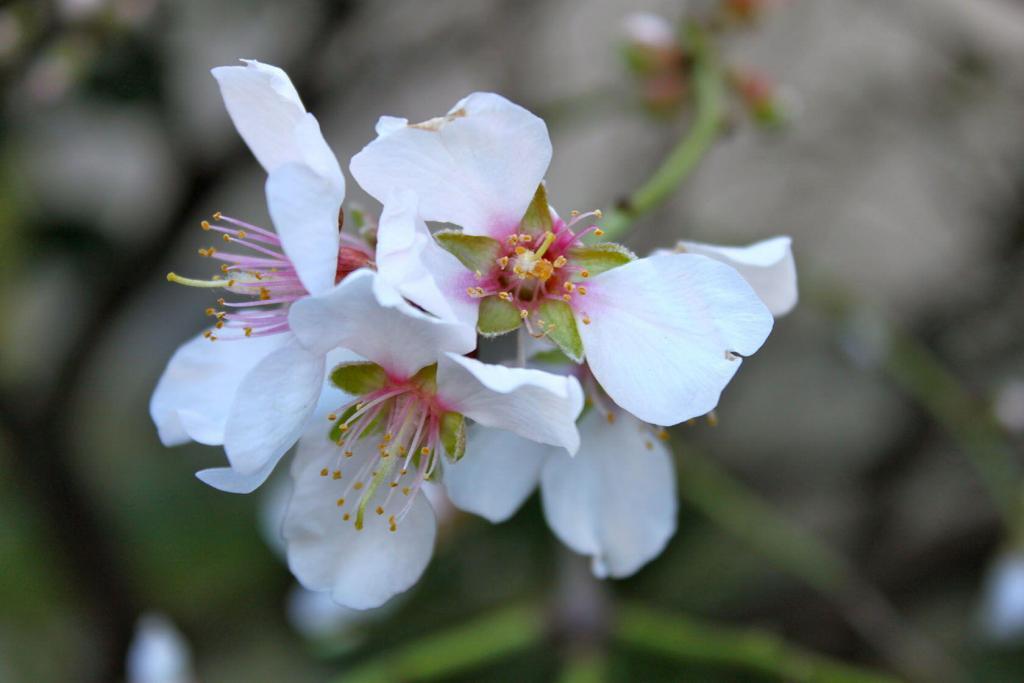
405,420
532,268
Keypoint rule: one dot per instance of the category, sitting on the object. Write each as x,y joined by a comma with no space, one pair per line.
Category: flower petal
497,474
616,500
265,108
194,394
411,260
230,480
767,266
271,407
536,405
662,330
368,316
361,568
304,207
477,167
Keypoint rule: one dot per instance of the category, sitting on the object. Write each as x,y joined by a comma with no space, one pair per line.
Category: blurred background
860,497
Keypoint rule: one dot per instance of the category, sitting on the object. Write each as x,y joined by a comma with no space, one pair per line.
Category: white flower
358,524
158,653
1002,606
663,335
254,389
614,501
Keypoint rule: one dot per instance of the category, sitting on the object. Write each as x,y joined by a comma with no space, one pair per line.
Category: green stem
689,640
920,373
733,507
708,95
589,667
455,650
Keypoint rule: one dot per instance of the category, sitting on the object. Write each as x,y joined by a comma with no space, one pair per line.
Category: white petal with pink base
478,166
665,334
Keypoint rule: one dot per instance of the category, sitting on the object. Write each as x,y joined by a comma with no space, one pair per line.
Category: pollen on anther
425,450
217,215
599,232
584,273
205,225
560,261
523,313
210,311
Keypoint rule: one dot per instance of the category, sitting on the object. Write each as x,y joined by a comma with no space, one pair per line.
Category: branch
688,640
707,124
456,650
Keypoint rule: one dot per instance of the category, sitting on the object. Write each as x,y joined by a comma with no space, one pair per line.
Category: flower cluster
362,346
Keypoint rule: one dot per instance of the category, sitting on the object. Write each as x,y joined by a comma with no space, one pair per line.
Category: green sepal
477,252
550,357
426,379
359,378
560,327
537,219
453,435
598,258
497,316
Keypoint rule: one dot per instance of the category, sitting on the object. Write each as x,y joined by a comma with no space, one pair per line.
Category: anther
332,417
582,291
567,297
324,472
584,273
248,331
599,232
425,450
346,516
523,313
358,485
560,261
217,215
341,502
210,311
405,490
205,225
336,475
380,510
598,214
226,237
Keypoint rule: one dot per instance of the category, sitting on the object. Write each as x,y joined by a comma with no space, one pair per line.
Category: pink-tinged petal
265,108
477,167
192,399
272,406
363,568
536,405
411,260
497,474
304,207
369,317
616,500
663,330
767,266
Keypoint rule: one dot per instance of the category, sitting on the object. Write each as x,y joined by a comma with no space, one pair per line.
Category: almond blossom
253,389
663,335
358,524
